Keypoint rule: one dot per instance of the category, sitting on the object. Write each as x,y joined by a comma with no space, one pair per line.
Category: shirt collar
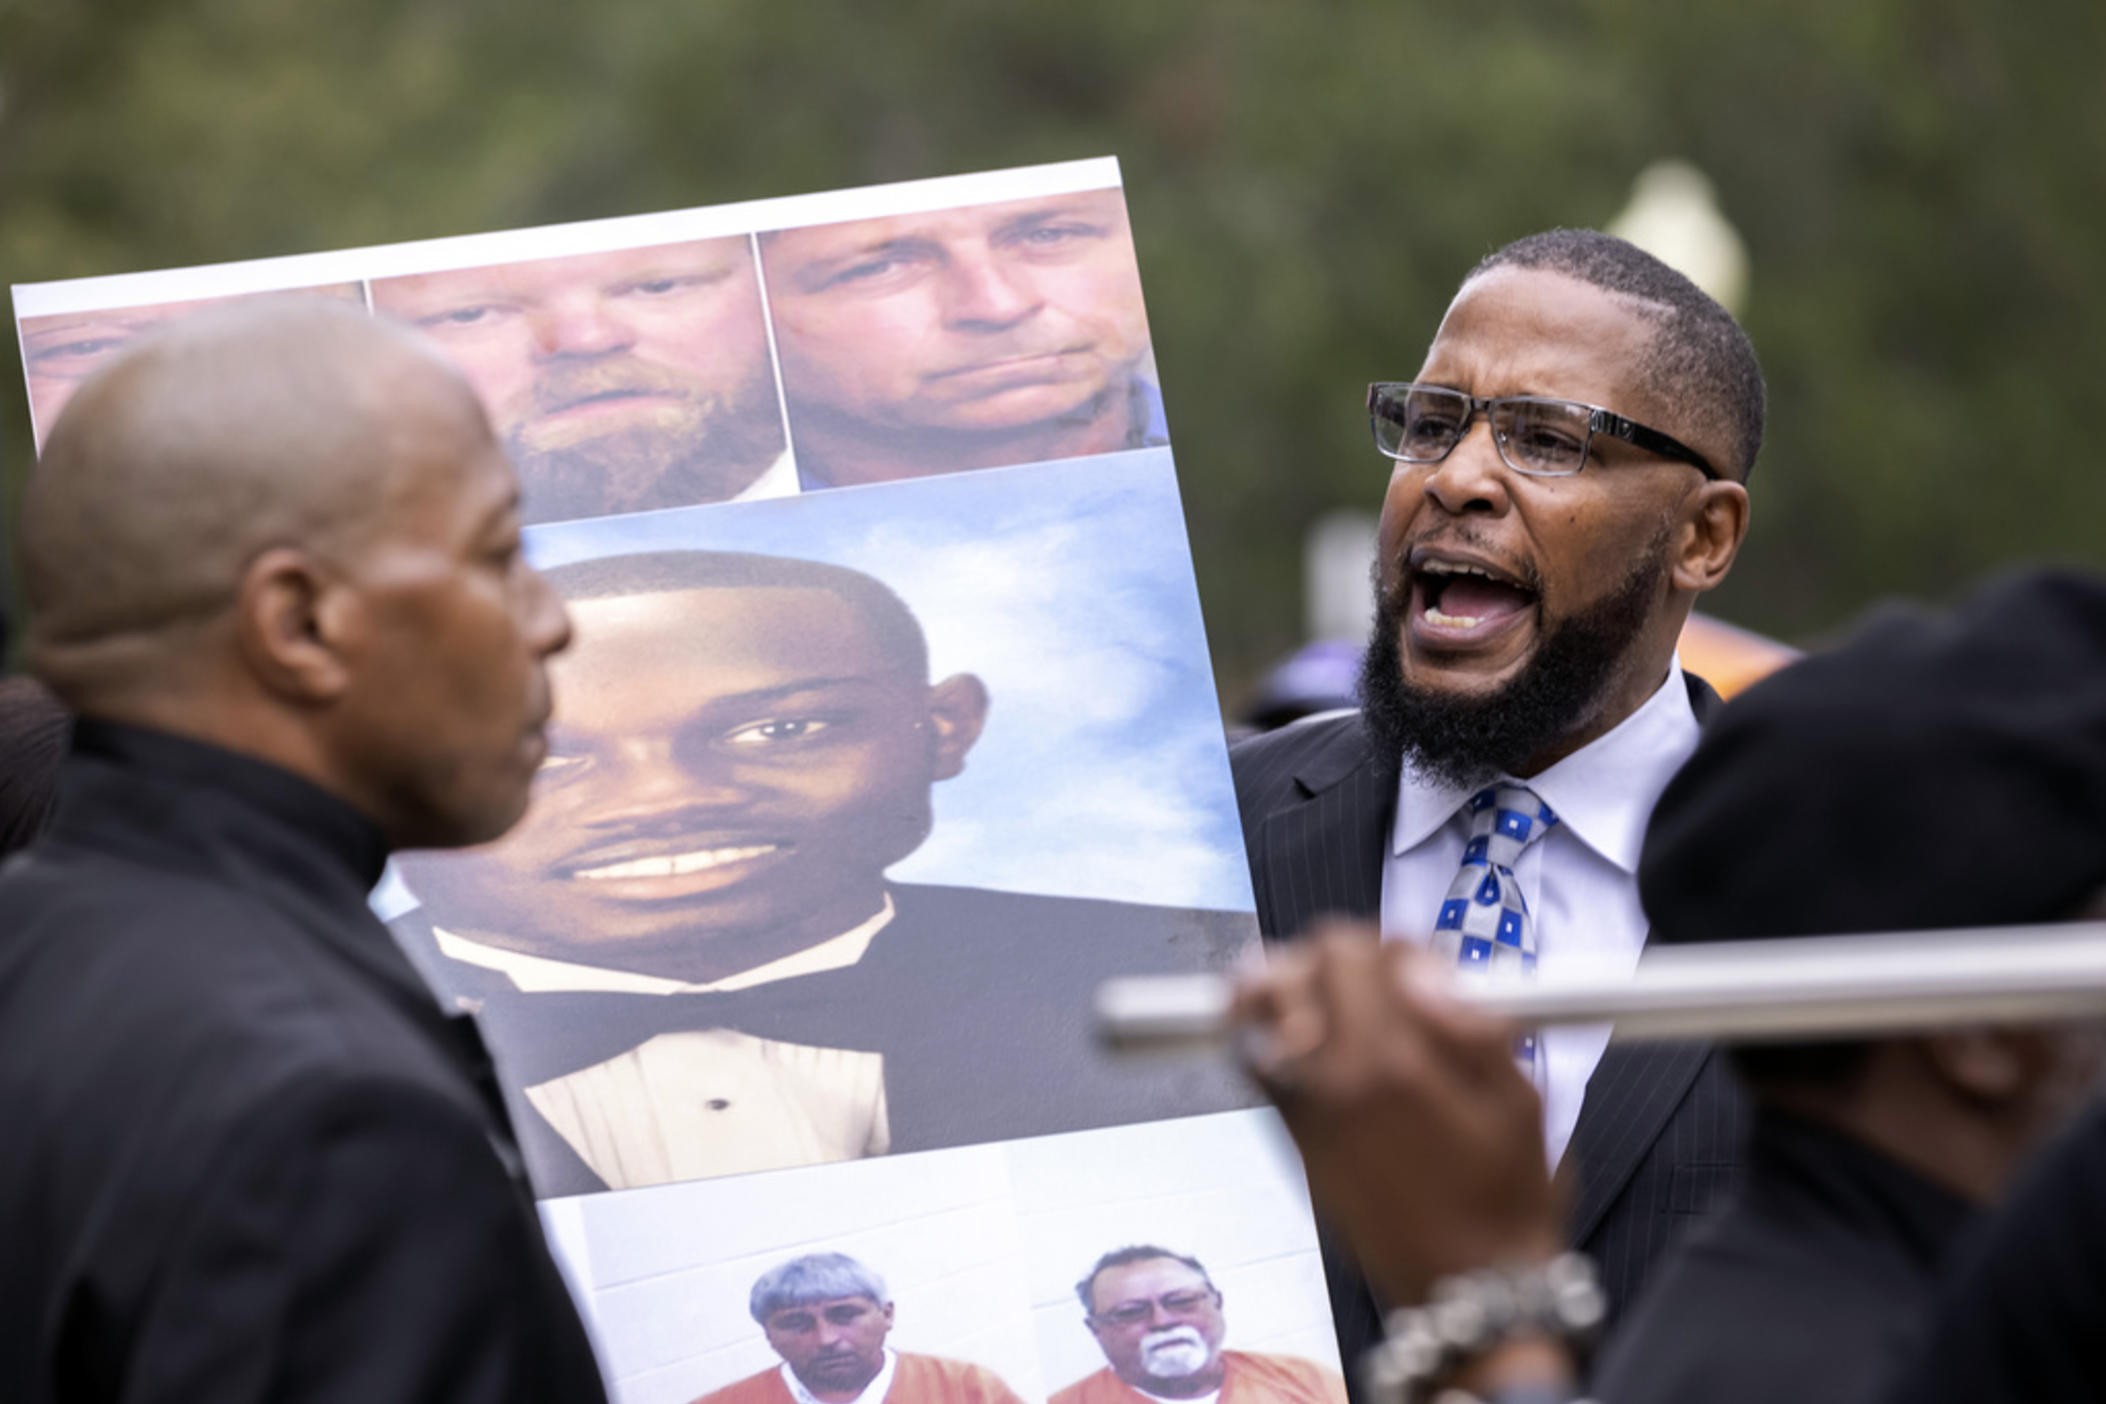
294,805
872,1393
542,975
1604,792
778,479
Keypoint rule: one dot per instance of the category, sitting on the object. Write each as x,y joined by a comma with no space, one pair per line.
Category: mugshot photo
890,1281
977,337
1175,1260
618,381
60,350
839,830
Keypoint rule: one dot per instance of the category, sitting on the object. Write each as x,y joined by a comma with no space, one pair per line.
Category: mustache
1173,1335
1396,594
568,383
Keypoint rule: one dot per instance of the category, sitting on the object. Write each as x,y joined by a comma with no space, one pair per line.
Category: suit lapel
1633,1093
1324,848
1635,1088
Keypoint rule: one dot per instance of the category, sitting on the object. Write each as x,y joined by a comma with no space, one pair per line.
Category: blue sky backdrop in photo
1068,588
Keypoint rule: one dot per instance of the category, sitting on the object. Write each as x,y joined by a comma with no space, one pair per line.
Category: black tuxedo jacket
1660,1129
978,1000
244,1155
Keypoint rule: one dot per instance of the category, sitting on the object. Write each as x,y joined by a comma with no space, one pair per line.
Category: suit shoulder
994,902
1319,747
1094,934
237,1006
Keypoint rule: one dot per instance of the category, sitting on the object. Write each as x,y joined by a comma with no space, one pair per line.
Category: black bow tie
543,1036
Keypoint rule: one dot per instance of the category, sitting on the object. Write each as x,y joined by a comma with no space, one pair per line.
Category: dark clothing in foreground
246,1156
1812,1284
2023,1313
1659,1132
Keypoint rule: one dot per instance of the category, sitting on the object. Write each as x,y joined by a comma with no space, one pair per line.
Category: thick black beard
1466,741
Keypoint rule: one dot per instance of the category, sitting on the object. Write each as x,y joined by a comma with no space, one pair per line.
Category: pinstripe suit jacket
1661,1125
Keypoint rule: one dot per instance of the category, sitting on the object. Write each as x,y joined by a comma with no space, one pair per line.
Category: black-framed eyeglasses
1546,438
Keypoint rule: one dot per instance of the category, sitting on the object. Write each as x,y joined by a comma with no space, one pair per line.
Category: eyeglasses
1544,438
1189,1302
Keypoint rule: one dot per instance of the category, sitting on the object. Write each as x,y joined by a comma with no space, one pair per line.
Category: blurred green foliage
1921,184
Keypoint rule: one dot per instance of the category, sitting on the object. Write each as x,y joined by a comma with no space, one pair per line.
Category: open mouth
700,860
1461,601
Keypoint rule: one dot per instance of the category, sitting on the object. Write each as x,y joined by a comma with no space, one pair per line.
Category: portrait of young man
61,350
1565,476
619,381
966,338
1158,1318
689,958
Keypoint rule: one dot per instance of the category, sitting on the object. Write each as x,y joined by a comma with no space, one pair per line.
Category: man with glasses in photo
1156,1315
1567,475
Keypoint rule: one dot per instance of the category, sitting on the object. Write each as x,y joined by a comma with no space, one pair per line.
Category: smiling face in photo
619,381
730,773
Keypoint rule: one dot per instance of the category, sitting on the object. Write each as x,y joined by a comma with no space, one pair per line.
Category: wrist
1497,1331
1530,1365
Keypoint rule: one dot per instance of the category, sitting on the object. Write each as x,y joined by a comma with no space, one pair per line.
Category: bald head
284,528
223,434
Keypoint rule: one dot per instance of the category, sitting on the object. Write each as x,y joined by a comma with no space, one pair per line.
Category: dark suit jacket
1661,1125
979,1001
245,1156
1811,1285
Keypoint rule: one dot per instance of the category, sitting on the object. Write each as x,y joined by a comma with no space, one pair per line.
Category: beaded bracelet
1472,1313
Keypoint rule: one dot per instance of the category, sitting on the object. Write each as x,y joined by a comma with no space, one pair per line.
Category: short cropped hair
1700,358
892,625
815,1277
1120,1257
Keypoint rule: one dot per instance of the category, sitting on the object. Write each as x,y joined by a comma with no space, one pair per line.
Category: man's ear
957,712
290,623
1714,521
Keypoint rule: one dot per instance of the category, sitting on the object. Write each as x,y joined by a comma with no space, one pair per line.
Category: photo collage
887,733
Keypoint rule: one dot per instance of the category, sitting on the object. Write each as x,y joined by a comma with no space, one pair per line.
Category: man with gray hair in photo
1157,1318
827,1316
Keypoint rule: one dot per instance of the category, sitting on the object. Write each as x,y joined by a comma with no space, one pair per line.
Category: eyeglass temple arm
1652,441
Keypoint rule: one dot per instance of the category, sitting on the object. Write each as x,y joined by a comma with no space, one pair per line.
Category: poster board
887,733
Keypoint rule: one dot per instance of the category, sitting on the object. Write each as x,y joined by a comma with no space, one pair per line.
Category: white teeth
1452,621
676,864
1453,568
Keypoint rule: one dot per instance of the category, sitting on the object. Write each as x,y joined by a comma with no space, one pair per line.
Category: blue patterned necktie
1484,920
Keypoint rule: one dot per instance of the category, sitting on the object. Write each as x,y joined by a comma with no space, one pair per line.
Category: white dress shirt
687,1106
1580,879
778,479
873,1393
